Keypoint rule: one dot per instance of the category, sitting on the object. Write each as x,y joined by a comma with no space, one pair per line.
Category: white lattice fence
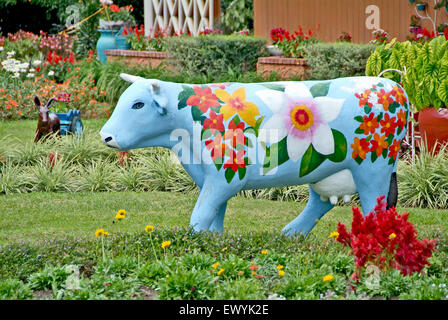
179,16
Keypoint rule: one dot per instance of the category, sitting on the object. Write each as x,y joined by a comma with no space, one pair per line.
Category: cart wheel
77,126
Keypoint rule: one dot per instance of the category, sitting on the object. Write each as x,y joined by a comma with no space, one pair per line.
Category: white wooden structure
175,16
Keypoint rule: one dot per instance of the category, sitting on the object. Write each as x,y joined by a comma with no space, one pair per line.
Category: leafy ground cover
49,253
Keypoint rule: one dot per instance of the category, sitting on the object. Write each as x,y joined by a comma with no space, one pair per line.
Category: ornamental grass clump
385,239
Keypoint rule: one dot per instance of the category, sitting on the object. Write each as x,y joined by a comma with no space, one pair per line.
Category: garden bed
286,68
136,58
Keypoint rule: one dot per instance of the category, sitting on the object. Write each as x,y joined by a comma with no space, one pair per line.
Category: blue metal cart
71,122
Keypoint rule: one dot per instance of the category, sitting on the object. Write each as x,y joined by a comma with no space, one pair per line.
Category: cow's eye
138,105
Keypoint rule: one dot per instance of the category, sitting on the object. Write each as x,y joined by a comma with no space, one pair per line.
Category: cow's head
141,116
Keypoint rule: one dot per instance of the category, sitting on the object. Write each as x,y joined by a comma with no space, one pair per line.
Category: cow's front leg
210,206
218,223
314,210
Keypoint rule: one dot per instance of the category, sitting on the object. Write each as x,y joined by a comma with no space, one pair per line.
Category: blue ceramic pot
122,42
107,40
411,1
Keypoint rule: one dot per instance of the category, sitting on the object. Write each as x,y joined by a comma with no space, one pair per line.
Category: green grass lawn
24,131
39,216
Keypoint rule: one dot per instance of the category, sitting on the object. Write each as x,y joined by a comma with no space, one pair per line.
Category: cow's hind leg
370,187
305,222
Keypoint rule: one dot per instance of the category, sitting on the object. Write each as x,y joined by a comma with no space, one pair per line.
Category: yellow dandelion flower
279,267
327,278
281,273
100,233
215,265
264,251
334,235
165,244
121,214
220,271
149,228
392,236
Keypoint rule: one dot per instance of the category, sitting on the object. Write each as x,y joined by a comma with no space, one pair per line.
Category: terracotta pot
434,127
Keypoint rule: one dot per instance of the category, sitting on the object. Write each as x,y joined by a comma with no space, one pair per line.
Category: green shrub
12,289
424,182
213,56
337,60
49,278
187,284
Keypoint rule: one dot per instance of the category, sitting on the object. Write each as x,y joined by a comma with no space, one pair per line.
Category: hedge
338,60
214,55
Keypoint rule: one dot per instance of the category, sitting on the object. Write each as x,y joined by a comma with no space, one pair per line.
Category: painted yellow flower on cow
237,104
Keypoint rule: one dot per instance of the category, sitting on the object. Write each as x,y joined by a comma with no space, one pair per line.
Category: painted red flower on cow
394,149
399,95
378,144
235,160
388,125
364,98
217,147
214,122
235,133
385,99
204,99
370,124
360,148
402,118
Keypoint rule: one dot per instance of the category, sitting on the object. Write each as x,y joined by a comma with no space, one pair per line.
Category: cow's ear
160,100
130,78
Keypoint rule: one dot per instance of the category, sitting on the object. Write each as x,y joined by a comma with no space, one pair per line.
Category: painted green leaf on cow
310,161
359,160
340,147
276,155
183,96
241,173
320,89
197,115
374,157
277,87
218,163
229,174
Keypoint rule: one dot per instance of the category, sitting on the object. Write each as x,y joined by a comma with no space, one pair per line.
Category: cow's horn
155,87
130,78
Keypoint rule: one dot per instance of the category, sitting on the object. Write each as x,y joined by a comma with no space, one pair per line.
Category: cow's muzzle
109,140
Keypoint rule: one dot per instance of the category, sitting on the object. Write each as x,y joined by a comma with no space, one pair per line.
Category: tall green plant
425,68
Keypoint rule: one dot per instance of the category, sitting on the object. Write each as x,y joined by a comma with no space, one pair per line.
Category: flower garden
80,220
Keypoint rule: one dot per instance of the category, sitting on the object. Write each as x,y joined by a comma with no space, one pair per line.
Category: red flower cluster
445,33
280,34
53,58
422,35
64,97
386,239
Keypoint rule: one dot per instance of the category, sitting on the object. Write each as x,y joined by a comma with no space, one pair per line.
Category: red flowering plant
56,67
385,239
138,40
344,37
421,35
380,36
114,13
293,44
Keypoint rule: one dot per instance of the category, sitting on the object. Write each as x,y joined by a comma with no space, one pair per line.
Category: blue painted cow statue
340,137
